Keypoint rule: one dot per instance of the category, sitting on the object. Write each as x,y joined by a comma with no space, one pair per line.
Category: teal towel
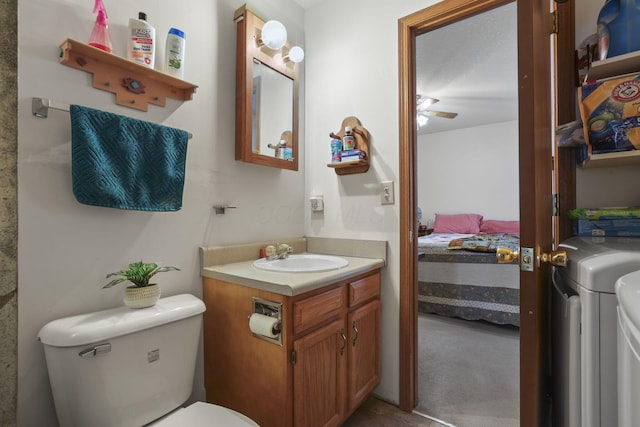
124,163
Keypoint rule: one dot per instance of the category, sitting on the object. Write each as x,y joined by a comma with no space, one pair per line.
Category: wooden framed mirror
266,98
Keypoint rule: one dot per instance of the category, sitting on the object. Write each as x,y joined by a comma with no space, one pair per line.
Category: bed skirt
493,304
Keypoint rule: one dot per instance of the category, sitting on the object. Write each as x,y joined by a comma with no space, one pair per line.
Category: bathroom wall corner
9,214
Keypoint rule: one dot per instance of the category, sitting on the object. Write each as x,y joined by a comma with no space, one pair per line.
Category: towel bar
40,108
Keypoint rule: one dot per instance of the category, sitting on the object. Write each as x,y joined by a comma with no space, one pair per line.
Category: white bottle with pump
174,53
141,44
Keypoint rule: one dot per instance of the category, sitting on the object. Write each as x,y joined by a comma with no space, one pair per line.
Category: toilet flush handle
96,350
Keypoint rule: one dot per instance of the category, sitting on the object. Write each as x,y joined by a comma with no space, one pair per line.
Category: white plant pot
147,296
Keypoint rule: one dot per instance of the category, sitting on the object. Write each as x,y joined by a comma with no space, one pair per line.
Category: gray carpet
468,372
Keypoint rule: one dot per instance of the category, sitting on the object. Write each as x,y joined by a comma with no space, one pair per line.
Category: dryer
584,329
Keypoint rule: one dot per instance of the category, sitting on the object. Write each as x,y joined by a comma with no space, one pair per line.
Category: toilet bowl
202,414
130,367
628,294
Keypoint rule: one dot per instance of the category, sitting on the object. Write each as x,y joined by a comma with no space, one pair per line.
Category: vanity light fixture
295,54
274,35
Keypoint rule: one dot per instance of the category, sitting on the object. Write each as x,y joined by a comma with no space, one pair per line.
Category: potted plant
142,293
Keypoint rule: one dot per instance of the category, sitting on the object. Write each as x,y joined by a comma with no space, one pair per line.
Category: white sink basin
302,263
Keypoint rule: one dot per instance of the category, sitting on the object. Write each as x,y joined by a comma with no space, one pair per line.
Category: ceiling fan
423,113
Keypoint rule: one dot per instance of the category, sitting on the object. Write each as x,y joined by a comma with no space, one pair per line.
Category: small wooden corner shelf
361,136
134,85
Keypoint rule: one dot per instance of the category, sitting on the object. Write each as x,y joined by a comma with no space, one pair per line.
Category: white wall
352,70
65,248
605,186
471,170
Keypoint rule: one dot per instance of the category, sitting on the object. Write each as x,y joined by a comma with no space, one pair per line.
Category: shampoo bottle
174,53
100,35
141,46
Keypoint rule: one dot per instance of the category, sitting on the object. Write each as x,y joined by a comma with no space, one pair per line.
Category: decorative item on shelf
142,293
109,70
356,159
133,85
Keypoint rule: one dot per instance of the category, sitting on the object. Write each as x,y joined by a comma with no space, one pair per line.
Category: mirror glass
266,98
272,111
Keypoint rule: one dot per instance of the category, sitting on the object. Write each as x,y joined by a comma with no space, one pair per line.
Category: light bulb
296,54
422,120
274,35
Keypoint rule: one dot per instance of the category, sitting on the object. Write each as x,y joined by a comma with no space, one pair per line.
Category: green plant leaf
138,273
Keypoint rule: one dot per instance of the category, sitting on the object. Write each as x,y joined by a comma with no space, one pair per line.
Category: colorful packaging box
609,109
608,228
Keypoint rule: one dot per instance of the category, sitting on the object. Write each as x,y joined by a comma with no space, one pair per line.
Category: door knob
557,258
506,255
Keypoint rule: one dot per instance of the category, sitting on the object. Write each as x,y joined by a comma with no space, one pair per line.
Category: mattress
469,284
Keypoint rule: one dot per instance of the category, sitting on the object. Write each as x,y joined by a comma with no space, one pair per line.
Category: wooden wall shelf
134,85
623,158
614,66
361,136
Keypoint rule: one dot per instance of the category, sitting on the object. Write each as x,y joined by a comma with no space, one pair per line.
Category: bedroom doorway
467,140
536,63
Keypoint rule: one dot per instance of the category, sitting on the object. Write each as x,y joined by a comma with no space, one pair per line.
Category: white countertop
245,274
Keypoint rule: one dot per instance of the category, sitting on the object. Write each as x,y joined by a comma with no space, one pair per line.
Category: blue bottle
619,28
336,148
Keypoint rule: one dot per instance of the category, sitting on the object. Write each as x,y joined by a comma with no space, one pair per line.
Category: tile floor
377,413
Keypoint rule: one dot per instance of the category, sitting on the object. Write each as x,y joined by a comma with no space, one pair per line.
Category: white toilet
628,294
130,367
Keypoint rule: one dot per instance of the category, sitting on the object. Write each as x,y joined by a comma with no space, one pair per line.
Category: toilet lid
201,414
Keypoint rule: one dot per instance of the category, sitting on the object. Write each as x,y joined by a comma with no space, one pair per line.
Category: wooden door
364,353
535,161
535,117
319,377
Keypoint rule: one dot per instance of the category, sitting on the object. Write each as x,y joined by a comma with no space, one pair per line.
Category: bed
459,276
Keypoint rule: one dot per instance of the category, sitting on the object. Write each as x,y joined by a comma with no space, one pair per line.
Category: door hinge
293,357
554,208
555,24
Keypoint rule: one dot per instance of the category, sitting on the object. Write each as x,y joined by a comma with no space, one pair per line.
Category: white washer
628,293
584,315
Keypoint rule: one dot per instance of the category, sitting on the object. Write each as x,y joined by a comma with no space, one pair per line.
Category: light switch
386,193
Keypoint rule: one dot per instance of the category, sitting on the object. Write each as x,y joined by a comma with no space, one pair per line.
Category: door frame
535,154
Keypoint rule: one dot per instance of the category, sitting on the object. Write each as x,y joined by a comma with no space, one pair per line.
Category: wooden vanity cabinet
328,363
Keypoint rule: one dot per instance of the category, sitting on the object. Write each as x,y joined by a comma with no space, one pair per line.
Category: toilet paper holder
271,309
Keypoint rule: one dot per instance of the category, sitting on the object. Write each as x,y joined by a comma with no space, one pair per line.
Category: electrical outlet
317,203
386,193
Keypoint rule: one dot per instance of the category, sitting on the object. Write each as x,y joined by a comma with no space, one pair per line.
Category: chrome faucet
282,251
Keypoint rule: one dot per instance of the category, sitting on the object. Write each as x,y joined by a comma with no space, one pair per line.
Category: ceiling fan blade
442,114
424,102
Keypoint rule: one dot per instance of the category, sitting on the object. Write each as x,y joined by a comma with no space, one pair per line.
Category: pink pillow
459,223
495,226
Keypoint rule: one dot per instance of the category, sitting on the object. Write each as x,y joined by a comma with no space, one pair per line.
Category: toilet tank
123,367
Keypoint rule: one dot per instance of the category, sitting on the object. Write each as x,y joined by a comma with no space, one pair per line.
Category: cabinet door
364,349
319,378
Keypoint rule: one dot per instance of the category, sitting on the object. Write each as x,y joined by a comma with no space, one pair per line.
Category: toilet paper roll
264,325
